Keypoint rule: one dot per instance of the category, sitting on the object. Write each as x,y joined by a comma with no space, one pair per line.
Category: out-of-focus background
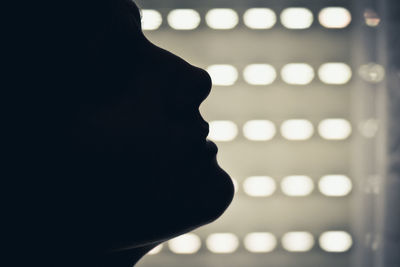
301,111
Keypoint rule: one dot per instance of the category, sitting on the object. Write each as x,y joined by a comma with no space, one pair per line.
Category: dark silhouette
106,150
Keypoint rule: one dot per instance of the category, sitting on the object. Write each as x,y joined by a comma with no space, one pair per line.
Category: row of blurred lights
259,242
293,73
334,185
254,18
294,129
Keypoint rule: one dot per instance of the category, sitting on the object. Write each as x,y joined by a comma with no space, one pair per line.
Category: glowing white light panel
334,17
259,186
185,244
259,130
296,18
222,131
259,18
223,74
151,19
222,18
372,72
259,74
297,73
335,73
298,241
260,242
335,185
183,19
335,241
222,243
297,129
297,185
334,129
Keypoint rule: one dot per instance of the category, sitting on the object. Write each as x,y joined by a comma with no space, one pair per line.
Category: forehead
133,7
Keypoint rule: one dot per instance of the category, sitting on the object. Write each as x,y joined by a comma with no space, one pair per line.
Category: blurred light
222,131
260,242
151,19
223,75
235,185
297,73
222,18
155,250
368,128
259,74
372,72
335,185
259,18
184,19
298,241
259,130
222,243
335,241
297,129
334,17
185,244
259,186
371,18
296,18
334,73
334,129
297,185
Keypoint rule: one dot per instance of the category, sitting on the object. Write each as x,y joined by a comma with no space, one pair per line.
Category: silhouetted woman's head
127,163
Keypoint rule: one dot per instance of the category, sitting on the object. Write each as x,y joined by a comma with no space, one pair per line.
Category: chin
213,195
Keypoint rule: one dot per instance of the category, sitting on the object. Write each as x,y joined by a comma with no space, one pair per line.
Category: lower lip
211,147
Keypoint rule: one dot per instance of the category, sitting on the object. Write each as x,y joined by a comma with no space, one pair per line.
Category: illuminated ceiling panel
280,113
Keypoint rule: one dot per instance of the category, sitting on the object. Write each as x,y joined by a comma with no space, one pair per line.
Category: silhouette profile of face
140,120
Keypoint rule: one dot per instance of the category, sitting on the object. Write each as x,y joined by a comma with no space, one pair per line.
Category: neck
126,258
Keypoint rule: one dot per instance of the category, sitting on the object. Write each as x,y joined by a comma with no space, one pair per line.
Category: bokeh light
260,242
259,18
372,72
334,73
259,186
184,19
222,131
371,18
222,243
334,129
334,17
297,185
151,19
335,185
296,18
259,130
185,244
223,74
259,74
297,129
298,241
222,18
297,73
369,127
335,241
156,250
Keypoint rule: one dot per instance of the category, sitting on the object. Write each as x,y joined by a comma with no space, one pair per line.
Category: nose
190,85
